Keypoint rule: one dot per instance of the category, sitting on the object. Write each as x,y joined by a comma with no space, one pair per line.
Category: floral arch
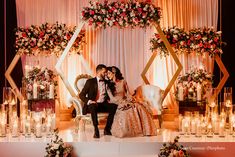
121,14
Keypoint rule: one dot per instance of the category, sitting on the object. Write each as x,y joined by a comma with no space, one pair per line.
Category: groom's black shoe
107,132
97,133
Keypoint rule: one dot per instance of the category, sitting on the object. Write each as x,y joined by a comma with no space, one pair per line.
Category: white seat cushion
153,95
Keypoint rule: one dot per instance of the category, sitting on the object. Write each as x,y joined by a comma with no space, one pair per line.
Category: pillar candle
198,129
38,130
35,90
15,129
221,129
2,128
180,93
199,92
193,127
51,91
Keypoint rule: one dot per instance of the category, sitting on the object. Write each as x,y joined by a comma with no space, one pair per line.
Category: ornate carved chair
79,84
153,95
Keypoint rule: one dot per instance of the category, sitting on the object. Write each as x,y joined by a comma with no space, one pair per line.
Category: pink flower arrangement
173,149
46,38
57,147
121,14
200,40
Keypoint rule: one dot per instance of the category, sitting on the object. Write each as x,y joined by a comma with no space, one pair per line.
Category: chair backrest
153,95
80,81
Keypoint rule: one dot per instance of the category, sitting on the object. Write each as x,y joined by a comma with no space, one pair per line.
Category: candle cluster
209,125
30,123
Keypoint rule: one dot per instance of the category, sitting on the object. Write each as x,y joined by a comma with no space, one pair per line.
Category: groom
94,95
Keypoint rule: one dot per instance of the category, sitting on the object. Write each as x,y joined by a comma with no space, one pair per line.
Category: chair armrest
77,103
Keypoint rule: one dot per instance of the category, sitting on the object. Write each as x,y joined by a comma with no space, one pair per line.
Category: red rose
68,36
24,35
216,39
140,10
41,34
136,19
116,23
189,42
181,153
168,36
110,11
200,45
157,36
173,45
123,14
144,15
92,12
83,13
98,23
90,21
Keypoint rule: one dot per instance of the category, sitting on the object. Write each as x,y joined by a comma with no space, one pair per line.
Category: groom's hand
91,102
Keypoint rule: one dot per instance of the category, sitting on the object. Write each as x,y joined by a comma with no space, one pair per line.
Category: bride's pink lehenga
132,118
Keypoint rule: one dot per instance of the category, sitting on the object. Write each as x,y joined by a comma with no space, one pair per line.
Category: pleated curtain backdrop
129,49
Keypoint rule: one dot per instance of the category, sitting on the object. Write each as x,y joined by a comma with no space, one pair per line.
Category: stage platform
108,146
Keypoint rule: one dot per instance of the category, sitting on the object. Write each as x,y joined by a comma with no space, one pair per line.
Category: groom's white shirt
100,93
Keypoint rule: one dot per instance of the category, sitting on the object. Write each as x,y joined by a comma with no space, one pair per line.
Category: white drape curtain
129,49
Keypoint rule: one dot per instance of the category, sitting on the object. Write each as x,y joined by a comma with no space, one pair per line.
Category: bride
132,118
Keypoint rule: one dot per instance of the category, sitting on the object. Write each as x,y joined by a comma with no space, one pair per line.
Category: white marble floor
106,146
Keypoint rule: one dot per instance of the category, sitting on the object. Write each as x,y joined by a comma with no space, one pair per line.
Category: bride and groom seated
128,117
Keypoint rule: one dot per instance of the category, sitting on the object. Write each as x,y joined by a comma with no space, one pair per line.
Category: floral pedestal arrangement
191,90
39,85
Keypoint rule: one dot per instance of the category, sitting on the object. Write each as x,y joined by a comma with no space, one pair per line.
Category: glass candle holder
180,122
198,129
233,129
3,124
209,130
193,126
38,130
15,128
222,128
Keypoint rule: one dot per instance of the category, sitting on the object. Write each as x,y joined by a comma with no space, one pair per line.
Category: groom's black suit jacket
89,92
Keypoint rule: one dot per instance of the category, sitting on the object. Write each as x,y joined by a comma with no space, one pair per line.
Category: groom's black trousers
103,107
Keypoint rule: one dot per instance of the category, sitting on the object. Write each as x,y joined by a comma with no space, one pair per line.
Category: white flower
58,152
56,146
132,14
110,23
60,32
175,36
103,11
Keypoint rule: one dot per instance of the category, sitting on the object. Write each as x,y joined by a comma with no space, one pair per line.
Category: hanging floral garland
47,39
200,40
121,14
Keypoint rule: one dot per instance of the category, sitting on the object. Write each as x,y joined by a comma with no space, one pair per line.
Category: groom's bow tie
101,80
